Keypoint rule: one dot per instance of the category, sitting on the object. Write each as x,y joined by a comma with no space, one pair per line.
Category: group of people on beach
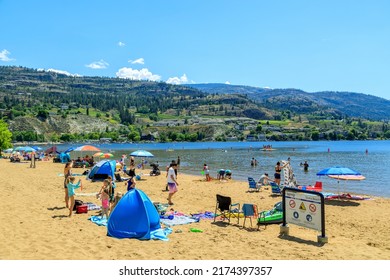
106,193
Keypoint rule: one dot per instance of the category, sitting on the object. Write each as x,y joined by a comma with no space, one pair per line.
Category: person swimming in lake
306,166
254,162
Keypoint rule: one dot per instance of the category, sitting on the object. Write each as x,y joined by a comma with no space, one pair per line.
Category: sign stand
304,208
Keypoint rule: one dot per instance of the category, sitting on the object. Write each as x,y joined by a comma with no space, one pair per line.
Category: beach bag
82,209
77,203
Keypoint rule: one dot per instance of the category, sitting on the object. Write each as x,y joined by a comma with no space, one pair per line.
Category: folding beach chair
249,211
226,209
253,185
276,189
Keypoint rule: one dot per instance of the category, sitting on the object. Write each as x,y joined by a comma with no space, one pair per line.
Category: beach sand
35,223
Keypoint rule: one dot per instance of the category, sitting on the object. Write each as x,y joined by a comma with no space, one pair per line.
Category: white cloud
121,44
4,55
137,61
178,81
98,65
134,74
61,72
227,83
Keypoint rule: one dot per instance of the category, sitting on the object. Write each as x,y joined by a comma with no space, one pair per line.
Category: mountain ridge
342,102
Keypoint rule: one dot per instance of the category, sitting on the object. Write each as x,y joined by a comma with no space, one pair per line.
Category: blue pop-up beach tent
135,216
102,170
64,157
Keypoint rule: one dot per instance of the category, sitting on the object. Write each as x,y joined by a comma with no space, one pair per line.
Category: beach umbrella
8,151
69,150
341,173
107,155
348,177
87,148
338,171
51,150
98,154
26,149
141,153
37,148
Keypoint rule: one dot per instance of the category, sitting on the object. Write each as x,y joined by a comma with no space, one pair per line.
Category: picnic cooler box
82,209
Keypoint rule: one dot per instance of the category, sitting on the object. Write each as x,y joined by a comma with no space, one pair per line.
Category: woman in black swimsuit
278,170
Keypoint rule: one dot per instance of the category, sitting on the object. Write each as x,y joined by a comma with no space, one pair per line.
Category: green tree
315,136
5,136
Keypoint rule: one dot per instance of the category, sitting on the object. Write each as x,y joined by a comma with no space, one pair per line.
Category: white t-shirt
171,172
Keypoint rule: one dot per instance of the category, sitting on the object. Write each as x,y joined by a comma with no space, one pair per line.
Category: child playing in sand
71,186
103,194
206,172
111,191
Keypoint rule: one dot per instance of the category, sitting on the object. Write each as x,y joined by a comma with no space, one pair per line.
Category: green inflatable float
273,216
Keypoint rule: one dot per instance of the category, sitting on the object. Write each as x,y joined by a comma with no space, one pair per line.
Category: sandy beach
35,223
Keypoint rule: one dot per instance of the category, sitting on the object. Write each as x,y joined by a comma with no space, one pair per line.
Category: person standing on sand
178,163
172,182
206,172
67,174
32,164
71,186
104,196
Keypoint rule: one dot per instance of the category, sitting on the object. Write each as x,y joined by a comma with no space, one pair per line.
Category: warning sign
303,209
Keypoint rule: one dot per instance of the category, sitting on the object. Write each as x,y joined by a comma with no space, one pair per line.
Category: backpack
77,203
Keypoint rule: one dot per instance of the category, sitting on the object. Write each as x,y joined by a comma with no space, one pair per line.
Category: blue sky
311,45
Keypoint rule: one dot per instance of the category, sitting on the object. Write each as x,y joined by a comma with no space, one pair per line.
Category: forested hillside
42,105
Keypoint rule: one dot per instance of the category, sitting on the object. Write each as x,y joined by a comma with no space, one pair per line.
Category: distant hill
298,101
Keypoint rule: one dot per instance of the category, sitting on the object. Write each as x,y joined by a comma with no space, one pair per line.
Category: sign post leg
284,229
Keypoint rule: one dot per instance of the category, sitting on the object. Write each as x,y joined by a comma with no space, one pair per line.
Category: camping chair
226,209
249,210
253,185
276,189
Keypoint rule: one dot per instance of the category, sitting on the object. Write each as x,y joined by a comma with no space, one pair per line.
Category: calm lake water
236,156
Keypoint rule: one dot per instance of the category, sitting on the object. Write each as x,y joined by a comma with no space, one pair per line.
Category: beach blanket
174,220
91,206
73,174
86,194
158,234
330,196
98,220
206,215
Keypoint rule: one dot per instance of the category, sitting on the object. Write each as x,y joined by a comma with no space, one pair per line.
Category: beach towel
177,220
98,220
332,196
160,234
91,206
73,174
86,194
206,215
